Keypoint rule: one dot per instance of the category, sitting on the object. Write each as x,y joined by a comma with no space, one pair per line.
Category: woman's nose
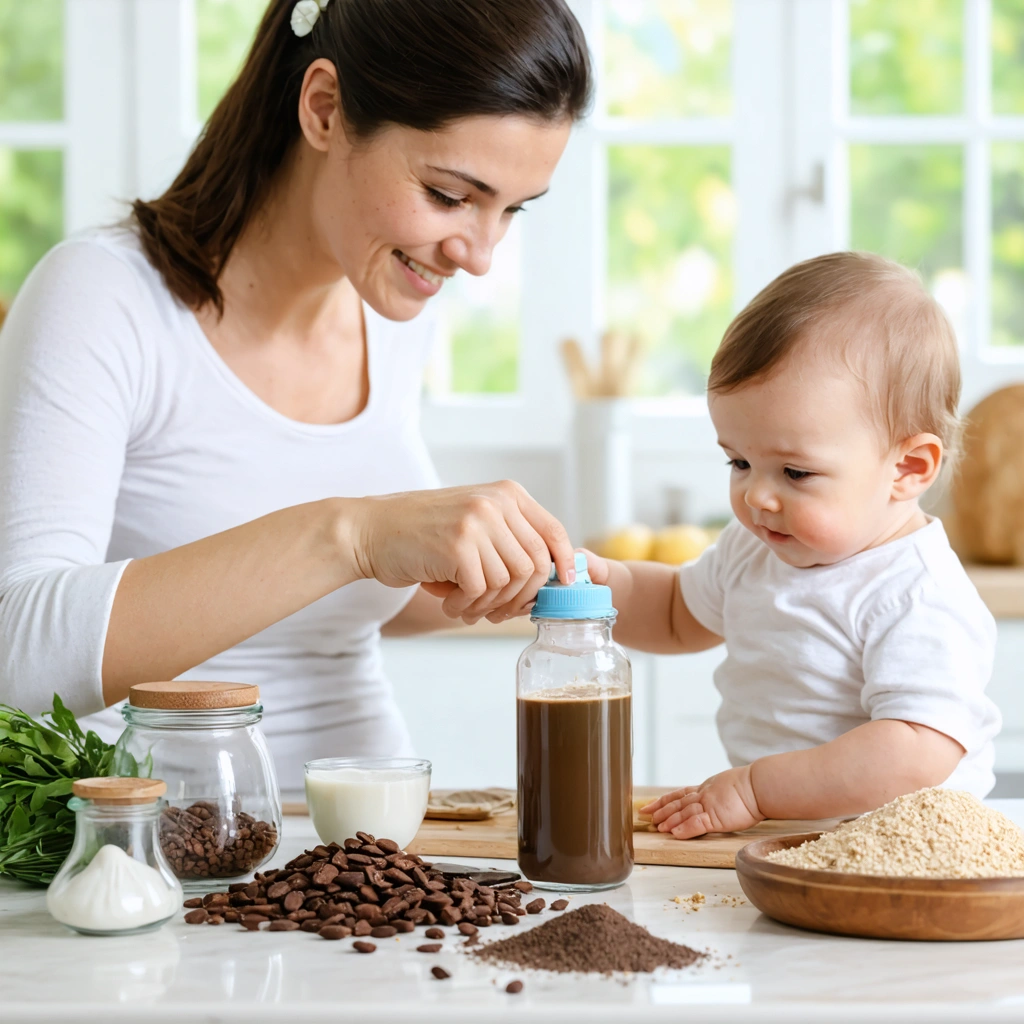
471,250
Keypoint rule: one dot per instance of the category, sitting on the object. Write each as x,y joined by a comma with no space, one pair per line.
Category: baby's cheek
823,528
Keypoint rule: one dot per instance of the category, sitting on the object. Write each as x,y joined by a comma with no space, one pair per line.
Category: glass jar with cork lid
223,818
574,737
115,880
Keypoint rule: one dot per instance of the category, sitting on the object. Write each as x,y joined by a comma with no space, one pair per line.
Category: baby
857,649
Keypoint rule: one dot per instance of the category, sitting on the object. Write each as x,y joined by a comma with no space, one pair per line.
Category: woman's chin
395,305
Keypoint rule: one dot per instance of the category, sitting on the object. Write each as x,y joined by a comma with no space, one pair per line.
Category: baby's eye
739,464
797,474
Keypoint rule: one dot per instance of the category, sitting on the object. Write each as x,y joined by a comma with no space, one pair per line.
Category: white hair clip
305,14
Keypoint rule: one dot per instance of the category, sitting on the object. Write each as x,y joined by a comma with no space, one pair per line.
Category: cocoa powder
593,938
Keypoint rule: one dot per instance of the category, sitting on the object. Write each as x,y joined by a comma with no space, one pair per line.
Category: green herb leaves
38,766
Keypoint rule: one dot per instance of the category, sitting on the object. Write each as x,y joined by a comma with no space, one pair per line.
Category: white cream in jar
386,797
113,893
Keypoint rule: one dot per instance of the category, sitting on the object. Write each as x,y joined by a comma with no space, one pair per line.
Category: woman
198,407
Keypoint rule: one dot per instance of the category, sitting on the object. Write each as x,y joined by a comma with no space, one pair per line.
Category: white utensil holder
601,467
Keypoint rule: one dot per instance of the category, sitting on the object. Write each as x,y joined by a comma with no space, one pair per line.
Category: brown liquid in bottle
575,789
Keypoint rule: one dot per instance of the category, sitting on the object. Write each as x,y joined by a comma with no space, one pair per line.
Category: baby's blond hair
876,317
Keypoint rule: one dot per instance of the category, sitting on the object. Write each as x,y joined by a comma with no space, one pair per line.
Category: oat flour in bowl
933,833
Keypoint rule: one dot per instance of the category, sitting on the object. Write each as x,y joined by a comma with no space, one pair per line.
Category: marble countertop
757,970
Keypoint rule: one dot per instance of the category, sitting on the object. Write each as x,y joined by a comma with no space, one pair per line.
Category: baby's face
810,476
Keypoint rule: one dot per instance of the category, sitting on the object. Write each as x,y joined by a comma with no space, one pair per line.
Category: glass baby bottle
575,742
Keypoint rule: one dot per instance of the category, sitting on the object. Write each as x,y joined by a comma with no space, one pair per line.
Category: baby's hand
723,803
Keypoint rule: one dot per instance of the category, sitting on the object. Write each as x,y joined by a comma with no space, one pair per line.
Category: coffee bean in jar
220,823
201,842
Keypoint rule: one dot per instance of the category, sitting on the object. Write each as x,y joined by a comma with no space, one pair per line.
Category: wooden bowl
869,906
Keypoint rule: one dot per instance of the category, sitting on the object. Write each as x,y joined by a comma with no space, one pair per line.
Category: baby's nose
760,496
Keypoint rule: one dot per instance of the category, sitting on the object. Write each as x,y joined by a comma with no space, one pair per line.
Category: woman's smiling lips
422,278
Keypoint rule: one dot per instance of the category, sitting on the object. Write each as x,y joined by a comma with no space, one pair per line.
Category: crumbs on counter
692,902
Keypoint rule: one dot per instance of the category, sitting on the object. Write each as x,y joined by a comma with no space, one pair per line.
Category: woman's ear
918,461
319,113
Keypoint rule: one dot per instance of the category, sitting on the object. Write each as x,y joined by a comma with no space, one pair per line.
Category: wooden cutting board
496,837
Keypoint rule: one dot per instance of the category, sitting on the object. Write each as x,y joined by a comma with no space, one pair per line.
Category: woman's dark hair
418,63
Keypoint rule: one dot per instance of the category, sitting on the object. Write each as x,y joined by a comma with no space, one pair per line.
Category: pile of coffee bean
593,938
202,842
366,888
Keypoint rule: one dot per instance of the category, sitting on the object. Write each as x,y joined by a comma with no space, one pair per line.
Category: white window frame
130,119
825,128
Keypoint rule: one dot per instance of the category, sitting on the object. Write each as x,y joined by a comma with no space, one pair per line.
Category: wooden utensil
577,369
868,906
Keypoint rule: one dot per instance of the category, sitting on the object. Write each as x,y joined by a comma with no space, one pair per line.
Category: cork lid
117,791
186,695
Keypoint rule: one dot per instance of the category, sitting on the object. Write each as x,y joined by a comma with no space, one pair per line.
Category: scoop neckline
242,391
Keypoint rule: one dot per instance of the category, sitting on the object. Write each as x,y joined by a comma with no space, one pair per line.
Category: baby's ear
918,461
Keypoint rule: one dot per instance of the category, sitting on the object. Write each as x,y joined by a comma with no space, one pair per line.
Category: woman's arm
73,389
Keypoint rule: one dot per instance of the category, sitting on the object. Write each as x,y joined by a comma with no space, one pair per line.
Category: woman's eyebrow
468,178
482,186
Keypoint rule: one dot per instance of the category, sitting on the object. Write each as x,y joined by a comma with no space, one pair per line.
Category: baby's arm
859,771
652,614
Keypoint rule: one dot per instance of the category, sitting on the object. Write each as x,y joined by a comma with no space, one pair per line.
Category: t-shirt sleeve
70,379
703,581
928,660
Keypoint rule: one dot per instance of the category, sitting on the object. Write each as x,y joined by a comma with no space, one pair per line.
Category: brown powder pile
933,833
593,938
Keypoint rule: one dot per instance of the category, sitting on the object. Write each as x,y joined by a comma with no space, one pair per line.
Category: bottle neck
583,633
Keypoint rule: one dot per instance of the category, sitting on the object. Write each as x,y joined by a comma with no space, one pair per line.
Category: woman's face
403,211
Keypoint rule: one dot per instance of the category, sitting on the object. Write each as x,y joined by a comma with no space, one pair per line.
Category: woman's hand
485,549
723,803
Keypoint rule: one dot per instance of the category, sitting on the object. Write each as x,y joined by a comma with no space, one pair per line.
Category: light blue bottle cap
580,600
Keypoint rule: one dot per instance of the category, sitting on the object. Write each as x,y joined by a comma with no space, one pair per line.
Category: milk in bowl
385,796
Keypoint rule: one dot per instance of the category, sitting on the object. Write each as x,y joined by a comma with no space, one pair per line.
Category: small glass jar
223,819
574,737
116,880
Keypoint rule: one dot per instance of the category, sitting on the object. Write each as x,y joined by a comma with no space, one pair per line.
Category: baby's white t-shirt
897,631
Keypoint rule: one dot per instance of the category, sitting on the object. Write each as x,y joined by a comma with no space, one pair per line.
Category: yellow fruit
631,543
677,544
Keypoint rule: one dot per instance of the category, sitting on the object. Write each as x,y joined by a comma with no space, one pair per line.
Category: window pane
906,203
224,30
1008,56
906,56
671,214
1008,243
31,212
31,60
480,321
668,58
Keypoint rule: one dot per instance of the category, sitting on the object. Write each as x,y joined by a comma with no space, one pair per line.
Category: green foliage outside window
31,60
906,56
224,30
1008,56
31,212
1008,243
906,202
671,214
667,58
